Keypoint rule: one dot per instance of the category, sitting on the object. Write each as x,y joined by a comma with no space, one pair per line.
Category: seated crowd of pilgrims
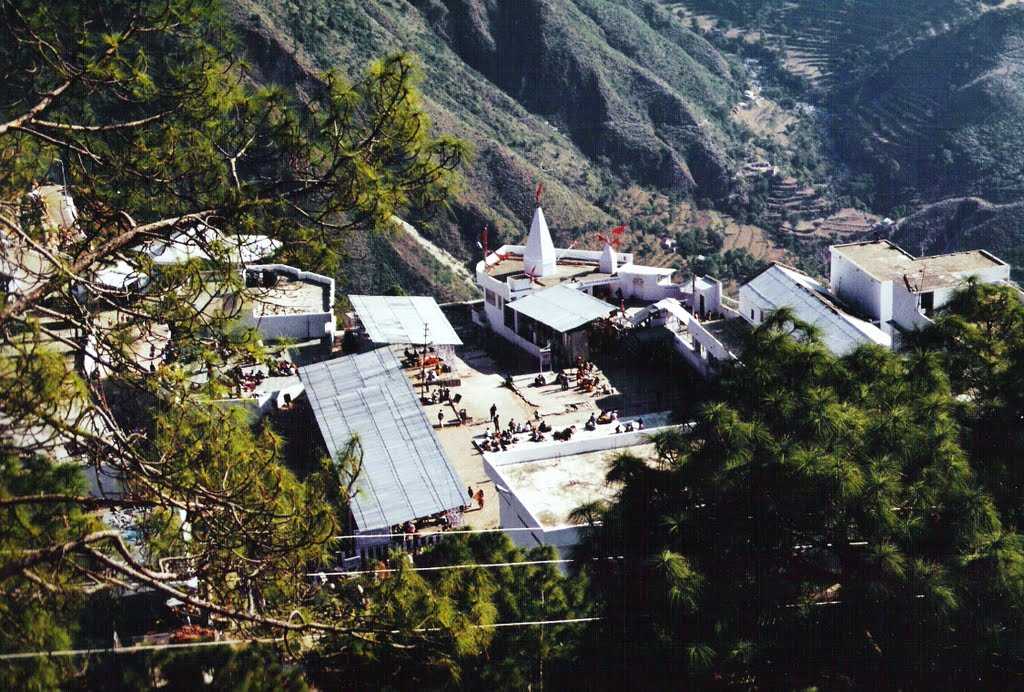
412,359
588,378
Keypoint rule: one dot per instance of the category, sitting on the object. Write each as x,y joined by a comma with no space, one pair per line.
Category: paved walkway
480,388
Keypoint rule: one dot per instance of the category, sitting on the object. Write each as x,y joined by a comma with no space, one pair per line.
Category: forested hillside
943,118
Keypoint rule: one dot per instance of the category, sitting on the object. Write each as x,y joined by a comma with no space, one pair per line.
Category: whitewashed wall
301,327
858,289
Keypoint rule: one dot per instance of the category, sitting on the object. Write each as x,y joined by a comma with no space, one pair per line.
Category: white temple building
542,298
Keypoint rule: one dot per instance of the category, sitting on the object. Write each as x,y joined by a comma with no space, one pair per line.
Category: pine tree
149,118
818,525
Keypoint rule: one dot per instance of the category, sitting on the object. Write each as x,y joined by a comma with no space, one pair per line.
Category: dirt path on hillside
440,254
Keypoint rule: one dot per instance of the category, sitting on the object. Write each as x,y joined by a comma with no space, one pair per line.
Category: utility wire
467,532
468,565
231,642
134,649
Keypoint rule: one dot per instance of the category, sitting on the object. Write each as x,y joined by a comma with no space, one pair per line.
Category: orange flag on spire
539,192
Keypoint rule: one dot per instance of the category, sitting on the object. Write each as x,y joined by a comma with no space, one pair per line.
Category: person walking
497,425
440,419
480,498
494,411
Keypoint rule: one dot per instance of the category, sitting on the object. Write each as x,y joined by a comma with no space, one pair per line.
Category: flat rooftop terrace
287,298
888,262
481,378
552,488
731,332
581,271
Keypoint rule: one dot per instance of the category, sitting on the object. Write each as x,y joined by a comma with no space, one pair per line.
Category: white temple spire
539,258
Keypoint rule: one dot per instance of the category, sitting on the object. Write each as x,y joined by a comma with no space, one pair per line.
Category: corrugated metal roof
562,308
402,319
781,286
405,473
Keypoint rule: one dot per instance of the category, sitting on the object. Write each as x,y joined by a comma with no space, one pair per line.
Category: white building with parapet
283,302
877,293
540,485
898,292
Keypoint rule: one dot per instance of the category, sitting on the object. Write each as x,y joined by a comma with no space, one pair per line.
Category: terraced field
845,225
827,43
754,240
682,216
947,113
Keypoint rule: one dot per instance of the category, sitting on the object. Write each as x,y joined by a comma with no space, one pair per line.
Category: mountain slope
945,118
584,95
966,223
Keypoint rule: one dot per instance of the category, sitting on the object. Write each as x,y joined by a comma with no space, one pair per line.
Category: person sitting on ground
615,414
544,427
618,429
538,381
629,427
604,418
536,414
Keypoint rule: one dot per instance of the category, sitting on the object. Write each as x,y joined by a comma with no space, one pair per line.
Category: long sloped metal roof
842,332
562,308
404,320
405,473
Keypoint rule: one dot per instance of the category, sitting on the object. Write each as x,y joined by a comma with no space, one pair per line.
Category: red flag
618,230
539,192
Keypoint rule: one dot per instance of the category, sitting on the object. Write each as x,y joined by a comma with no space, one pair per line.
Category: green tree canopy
146,115
819,524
